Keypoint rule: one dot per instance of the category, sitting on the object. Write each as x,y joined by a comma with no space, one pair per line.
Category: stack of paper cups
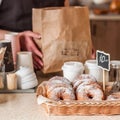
13,37
24,59
26,78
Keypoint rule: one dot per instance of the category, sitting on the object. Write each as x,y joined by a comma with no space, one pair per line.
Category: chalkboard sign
103,60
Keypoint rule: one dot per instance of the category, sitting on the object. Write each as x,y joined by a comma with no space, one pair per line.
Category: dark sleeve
1,2
48,3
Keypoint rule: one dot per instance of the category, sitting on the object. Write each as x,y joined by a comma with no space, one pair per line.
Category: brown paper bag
65,35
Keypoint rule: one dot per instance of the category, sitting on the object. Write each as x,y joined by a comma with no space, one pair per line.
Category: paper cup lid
72,65
91,63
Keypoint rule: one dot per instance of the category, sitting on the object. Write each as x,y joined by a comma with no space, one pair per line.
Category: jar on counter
114,73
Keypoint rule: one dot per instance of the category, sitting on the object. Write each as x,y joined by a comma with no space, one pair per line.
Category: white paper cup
72,69
92,68
24,59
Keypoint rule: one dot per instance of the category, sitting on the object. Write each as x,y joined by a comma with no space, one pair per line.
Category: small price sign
103,60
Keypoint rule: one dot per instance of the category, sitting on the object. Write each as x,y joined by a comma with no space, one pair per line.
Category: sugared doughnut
89,92
114,96
61,93
58,79
87,88
59,88
82,82
83,78
41,89
51,85
87,76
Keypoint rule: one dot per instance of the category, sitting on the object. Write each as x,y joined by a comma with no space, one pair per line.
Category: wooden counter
24,107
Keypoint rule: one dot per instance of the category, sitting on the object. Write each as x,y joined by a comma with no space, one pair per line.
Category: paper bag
65,35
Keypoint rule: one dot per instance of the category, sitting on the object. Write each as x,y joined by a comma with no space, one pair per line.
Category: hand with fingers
27,44
93,56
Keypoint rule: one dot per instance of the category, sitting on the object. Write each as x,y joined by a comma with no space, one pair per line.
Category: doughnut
51,85
59,88
61,93
83,82
41,89
114,96
89,92
87,88
83,78
59,79
87,76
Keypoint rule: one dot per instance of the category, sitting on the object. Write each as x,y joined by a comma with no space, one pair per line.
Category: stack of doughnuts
87,88
84,88
59,88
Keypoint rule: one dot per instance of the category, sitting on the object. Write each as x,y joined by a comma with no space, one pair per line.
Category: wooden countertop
24,107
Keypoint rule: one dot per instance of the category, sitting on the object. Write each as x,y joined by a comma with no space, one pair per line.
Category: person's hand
27,44
93,56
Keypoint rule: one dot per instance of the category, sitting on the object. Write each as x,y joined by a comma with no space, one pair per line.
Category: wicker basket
77,107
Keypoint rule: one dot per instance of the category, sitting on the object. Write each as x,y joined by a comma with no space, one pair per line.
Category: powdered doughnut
83,82
89,92
41,89
114,96
87,76
82,78
60,79
59,88
61,93
51,85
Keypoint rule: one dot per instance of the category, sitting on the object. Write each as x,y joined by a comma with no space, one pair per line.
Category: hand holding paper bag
28,44
65,35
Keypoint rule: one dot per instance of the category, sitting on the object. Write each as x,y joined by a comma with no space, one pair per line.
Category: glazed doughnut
114,96
89,92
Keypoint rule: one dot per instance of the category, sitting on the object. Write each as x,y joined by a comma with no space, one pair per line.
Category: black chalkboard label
103,60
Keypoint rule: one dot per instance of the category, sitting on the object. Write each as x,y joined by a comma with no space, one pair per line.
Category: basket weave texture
76,107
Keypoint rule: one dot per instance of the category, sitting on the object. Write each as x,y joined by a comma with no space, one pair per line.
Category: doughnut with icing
89,92
87,88
61,93
114,96
59,88
83,78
